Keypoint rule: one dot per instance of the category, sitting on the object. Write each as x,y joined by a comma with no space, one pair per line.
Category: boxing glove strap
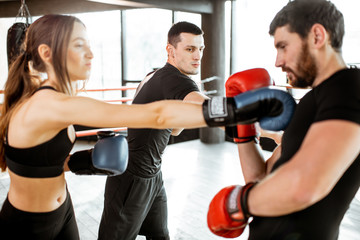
246,140
80,163
232,132
219,111
273,108
237,206
244,198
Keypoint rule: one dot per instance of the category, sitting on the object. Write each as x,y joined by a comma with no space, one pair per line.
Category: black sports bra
42,161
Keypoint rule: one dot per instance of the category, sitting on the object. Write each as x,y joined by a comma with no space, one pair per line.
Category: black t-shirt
336,98
146,146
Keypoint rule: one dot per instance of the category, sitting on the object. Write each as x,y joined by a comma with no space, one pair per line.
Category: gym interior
128,39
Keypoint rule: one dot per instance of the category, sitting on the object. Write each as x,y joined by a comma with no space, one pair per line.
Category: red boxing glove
242,82
228,213
247,80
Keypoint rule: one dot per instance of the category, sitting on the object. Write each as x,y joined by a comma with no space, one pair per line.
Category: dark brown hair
301,15
182,27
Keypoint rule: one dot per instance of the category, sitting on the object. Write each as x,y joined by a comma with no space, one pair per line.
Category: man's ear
45,53
319,35
170,50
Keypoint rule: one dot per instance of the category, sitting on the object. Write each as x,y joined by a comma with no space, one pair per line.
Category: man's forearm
252,161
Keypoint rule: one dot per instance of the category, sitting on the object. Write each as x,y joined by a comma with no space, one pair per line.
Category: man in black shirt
304,189
135,202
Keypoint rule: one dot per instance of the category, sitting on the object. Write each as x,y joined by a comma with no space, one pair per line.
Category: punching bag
15,38
17,32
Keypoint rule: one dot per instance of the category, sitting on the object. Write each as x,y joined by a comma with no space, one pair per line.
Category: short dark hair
301,15
182,27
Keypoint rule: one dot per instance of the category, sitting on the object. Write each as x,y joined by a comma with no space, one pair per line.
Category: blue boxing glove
108,157
272,108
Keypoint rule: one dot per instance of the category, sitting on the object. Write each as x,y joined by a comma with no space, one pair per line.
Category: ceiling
10,8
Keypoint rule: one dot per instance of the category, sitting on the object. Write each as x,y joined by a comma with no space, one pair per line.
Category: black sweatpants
134,206
57,224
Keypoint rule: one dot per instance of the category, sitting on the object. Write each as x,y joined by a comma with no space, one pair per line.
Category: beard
307,69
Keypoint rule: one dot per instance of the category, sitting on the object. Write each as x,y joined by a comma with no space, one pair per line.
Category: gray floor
193,173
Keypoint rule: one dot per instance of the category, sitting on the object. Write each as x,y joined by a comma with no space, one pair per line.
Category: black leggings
57,224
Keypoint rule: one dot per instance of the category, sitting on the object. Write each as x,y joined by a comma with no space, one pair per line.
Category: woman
37,126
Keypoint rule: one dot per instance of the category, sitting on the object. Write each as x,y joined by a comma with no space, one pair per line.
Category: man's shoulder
348,74
345,78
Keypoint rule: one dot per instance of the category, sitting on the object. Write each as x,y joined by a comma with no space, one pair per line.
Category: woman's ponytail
17,86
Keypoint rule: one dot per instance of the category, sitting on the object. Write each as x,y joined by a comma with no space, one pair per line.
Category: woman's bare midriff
36,194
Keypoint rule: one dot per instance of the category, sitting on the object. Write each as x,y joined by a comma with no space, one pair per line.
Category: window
145,41
253,46
351,44
104,33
